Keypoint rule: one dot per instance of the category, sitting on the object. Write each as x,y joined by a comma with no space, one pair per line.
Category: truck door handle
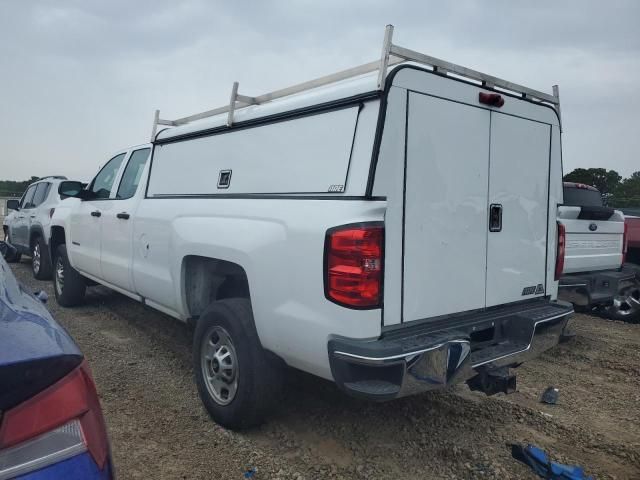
32,216
123,215
96,213
495,217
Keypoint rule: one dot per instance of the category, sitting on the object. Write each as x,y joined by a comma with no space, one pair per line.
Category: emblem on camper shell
533,290
593,227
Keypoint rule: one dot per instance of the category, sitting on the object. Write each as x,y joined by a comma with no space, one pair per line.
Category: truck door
116,255
86,220
518,209
445,217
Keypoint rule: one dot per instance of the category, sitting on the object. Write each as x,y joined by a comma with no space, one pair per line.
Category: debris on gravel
159,429
550,396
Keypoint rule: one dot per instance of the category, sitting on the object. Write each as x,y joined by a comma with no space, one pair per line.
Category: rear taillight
353,256
60,422
562,238
625,243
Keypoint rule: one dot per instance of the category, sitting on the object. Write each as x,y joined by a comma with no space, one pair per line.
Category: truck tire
40,261
626,304
68,285
15,258
239,382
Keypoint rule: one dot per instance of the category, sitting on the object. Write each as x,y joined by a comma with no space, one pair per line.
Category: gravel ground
158,428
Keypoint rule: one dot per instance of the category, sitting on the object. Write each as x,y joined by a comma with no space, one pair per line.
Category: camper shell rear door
473,199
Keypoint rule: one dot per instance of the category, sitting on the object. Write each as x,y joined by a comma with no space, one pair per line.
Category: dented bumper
434,355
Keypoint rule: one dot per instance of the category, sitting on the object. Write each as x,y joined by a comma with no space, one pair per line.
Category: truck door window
103,182
132,174
27,201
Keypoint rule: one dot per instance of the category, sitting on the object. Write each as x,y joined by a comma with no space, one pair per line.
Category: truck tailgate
592,242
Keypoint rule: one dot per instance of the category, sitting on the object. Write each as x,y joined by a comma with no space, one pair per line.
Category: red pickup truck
632,223
626,305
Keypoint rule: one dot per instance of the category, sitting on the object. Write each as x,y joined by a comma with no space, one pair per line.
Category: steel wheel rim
59,276
35,258
627,304
219,364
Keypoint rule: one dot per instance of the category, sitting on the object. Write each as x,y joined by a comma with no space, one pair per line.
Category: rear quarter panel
280,245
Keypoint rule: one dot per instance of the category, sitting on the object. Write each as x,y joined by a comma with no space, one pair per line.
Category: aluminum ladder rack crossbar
391,55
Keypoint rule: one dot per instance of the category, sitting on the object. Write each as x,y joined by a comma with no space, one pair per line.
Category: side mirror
13,204
71,188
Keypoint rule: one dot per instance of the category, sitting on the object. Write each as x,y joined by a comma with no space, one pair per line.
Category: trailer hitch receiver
494,381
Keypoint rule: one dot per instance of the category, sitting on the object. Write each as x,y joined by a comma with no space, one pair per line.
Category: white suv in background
27,227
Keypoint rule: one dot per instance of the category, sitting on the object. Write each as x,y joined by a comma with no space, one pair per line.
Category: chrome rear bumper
435,355
593,289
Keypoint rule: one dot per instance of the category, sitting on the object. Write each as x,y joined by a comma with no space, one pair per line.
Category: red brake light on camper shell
625,243
73,397
562,237
353,256
493,99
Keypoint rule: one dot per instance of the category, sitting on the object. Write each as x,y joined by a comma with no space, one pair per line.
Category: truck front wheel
238,381
68,285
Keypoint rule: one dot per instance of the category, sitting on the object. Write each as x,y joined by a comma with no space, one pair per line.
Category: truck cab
96,228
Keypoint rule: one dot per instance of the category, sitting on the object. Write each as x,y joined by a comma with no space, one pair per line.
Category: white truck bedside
391,228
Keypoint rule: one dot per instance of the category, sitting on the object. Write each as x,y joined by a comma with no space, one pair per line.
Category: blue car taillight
58,423
52,447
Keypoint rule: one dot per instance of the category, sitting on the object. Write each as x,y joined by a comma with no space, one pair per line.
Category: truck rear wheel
68,285
40,261
238,381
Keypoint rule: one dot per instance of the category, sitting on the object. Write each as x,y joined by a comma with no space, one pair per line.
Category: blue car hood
35,351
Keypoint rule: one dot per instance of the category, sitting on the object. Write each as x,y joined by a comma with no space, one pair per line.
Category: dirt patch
141,361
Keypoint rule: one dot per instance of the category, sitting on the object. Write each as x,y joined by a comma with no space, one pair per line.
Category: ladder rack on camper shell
391,55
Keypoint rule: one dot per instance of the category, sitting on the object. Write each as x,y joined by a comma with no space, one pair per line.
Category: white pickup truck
391,228
595,249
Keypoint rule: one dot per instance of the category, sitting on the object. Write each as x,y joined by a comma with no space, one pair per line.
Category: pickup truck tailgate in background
592,242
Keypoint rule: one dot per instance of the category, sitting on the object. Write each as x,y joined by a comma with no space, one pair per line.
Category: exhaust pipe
494,381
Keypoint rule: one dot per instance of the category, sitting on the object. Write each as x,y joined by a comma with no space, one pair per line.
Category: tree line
616,191
12,188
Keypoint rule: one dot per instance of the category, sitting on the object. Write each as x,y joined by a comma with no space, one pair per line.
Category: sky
81,79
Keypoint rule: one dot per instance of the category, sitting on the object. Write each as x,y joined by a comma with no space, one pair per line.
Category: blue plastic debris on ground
539,461
250,473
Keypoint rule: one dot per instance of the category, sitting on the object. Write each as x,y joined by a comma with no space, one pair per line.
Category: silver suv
27,227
